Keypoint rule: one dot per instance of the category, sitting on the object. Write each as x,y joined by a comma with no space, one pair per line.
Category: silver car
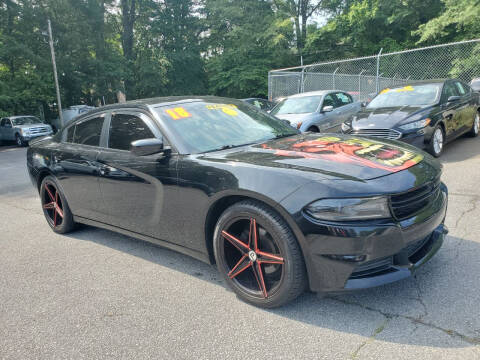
317,111
22,129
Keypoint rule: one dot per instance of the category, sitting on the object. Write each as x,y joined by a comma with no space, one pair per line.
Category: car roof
422,82
151,102
312,93
19,116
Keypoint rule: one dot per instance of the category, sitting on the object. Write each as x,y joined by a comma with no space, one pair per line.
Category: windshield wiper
225,147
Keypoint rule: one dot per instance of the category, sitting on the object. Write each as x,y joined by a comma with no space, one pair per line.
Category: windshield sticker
354,151
178,113
405,88
228,109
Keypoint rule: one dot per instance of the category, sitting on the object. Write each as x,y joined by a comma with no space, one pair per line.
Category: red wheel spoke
49,206
257,270
49,193
55,218
59,211
240,267
240,245
269,258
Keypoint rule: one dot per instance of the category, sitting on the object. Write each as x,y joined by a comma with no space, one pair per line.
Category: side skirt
165,244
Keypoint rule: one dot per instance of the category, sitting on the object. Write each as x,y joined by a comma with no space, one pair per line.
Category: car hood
25,127
383,118
333,156
296,118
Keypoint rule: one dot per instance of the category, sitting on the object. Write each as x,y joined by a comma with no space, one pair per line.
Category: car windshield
475,85
203,126
27,120
297,105
409,95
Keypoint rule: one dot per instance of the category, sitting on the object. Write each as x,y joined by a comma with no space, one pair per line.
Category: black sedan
424,114
276,210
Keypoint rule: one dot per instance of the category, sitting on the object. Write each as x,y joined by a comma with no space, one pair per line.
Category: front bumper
388,251
29,137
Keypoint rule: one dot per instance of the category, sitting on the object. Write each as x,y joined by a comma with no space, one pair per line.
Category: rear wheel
437,142
55,206
475,126
258,255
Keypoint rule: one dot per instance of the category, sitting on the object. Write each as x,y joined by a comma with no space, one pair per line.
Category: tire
313,129
268,275
475,126
55,206
437,142
19,141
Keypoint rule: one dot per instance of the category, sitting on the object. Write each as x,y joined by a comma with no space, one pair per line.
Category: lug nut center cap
252,255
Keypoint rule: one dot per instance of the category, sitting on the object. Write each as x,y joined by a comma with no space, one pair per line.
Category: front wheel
437,142
475,126
258,255
19,141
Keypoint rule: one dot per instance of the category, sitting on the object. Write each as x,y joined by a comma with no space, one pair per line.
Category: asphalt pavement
96,294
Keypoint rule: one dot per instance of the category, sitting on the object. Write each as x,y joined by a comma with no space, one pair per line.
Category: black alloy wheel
258,255
19,141
55,207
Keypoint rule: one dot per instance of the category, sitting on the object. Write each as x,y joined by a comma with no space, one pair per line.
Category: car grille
38,130
411,202
373,268
379,133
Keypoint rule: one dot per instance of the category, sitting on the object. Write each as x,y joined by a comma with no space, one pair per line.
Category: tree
300,11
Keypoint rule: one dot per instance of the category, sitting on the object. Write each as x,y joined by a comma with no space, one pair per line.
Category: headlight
350,209
416,124
345,127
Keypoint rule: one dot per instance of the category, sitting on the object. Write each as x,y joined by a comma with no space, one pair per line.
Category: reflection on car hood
383,118
296,118
333,156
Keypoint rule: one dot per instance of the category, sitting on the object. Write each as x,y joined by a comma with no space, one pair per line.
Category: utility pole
52,50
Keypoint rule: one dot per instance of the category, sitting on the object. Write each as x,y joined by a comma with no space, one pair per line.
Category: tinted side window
461,88
329,101
2,123
124,129
343,99
449,90
88,132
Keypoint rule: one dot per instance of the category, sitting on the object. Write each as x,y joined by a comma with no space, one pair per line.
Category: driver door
6,130
136,190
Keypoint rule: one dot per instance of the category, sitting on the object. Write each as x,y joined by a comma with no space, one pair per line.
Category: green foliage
148,48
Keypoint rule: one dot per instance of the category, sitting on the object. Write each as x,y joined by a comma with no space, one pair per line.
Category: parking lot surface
98,294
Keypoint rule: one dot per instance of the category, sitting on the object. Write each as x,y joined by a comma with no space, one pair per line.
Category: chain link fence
364,77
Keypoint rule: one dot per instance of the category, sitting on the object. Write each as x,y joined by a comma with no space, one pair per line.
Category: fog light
349,258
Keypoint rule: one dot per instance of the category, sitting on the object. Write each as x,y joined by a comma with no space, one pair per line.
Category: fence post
269,84
333,78
302,79
378,68
360,84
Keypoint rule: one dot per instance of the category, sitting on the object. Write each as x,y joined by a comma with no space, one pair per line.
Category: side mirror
148,147
328,108
453,98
